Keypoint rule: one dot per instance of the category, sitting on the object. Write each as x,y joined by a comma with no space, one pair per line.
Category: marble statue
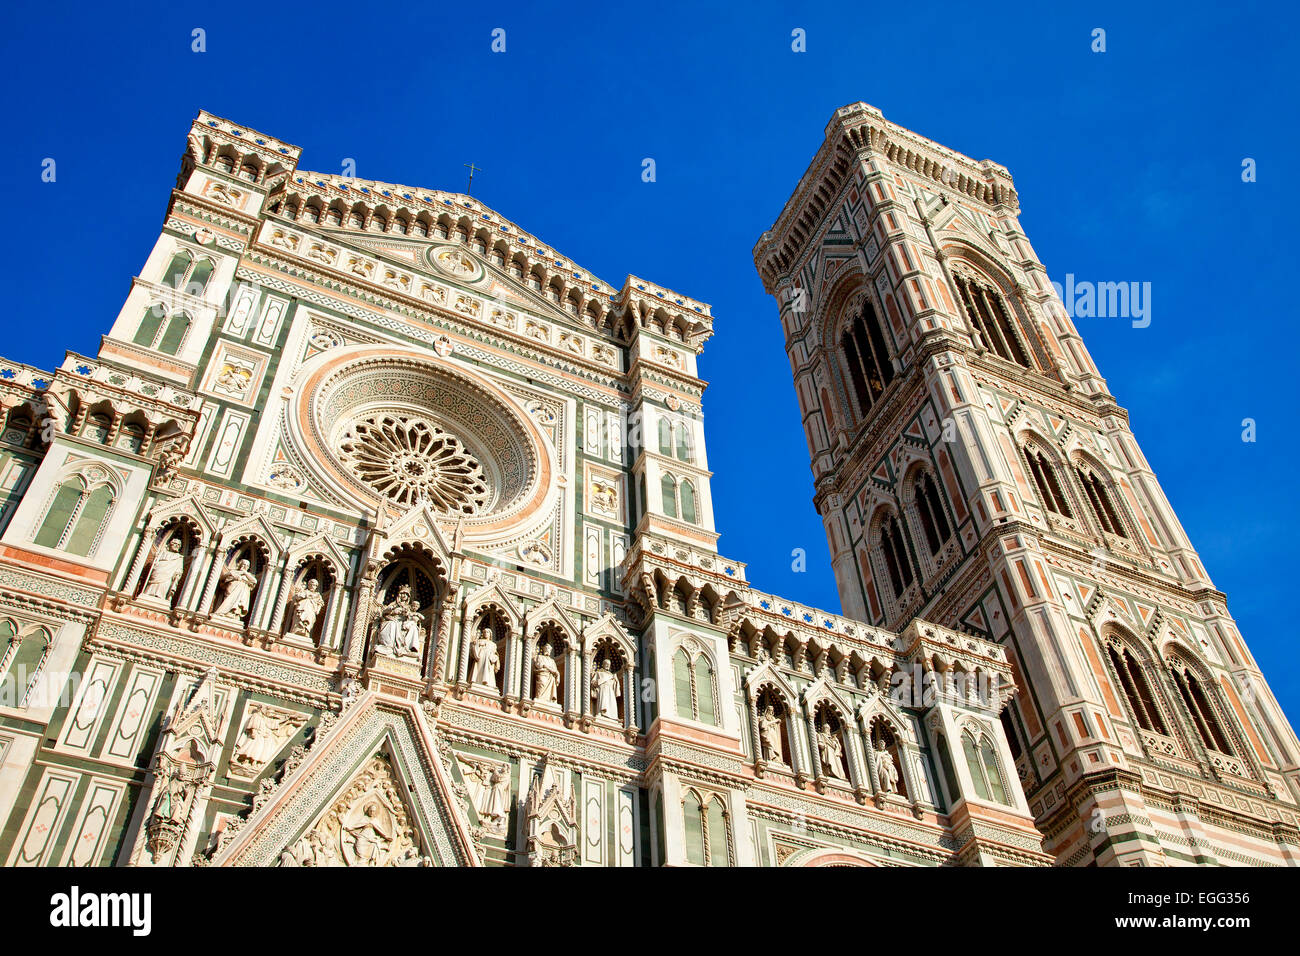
165,573
831,751
485,657
886,771
769,730
305,603
546,676
605,690
239,584
400,633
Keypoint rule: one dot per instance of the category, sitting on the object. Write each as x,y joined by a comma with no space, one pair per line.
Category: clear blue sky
1128,166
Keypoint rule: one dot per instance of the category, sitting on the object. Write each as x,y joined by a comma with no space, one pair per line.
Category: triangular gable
322,546
257,525
607,626
188,506
337,768
494,594
550,610
766,672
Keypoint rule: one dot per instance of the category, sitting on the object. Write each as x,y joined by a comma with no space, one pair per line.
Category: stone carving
401,633
887,771
831,751
409,460
239,583
605,690
488,786
264,735
485,658
321,253
165,573
769,729
546,676
226,195
551,819
305,604
283,240
535,552
367,826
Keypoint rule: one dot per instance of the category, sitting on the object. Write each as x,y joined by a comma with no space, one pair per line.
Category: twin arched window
866,357
693,683
1137,690
934,520
988,311
160,332
1094,488
1049,485
1197,701
982,761
706,838
75,517
894,551
676,436
679,499
23,652
185,275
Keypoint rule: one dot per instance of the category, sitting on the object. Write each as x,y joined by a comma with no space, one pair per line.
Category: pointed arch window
665,437
1049,486
1099,500
75,517
688,502
1137,689
160,331
668,488
934,520
23,653
982,761
866,357
693,683
988,311
1204,715
894,551
186,275
706,837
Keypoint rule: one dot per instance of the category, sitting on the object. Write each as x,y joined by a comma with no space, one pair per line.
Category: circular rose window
409,460
389,424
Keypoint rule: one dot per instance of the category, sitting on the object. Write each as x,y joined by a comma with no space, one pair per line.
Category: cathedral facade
380,533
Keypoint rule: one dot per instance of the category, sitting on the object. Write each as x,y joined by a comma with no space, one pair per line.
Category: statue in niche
487,783
546,676
239,583
165,573
485,657
831,751
605,690
400,633
886,770
305,604
769,731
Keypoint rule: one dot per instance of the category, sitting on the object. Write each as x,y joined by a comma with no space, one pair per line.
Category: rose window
409,460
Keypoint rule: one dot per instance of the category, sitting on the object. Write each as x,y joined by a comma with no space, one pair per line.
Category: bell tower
972,469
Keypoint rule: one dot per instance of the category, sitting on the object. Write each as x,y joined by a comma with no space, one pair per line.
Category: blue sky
1128,165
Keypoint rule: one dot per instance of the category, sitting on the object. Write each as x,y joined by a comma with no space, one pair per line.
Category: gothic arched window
1098,495
866,357
174,334
1049,485
934,520
683,442
988,311
75,516
665,437
705,830
688,502
668,487
174,277
1137,689
982,761
23,653
146,333
894,552
693,682
1198,701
